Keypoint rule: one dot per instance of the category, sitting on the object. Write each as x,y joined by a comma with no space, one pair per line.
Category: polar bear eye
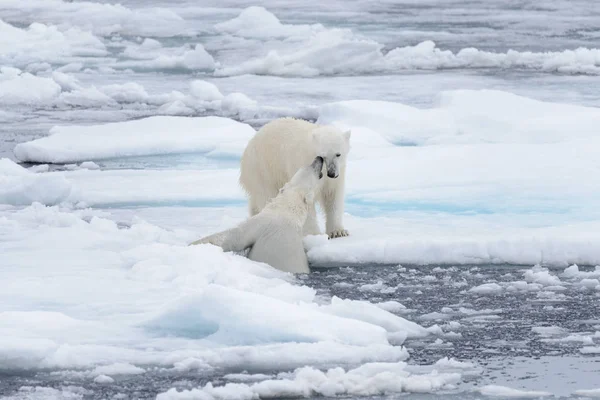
338,154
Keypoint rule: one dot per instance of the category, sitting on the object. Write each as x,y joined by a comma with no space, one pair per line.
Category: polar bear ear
347,135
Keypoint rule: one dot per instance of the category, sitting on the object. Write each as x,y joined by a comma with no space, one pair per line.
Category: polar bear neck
289,206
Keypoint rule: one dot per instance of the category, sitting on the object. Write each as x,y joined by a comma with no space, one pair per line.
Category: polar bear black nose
332,174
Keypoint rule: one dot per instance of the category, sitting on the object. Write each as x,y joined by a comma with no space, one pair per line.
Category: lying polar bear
274,235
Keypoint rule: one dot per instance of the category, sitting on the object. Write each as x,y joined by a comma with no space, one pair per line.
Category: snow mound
373,379
19,186
148,136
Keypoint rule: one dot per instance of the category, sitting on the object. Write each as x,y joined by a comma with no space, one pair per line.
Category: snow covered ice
471,199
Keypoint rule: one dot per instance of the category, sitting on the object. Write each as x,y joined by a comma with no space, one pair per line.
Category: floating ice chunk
148,49
487,288
176,107
39,42
426,55
367,380
590,350
101,18
24,88
459,116
129,92
453,364
89,165
523,286
574,272
257,22
328,52
589,283
391,306
506,392
205,91
118,369
103,379
541,275
372,314
153,135
196,59
39,168
549,330
19,186
236,317
594,393
238,104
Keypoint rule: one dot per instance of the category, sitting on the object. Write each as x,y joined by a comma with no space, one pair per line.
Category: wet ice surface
520,327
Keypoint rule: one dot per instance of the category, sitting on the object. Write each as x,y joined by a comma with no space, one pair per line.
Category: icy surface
150,136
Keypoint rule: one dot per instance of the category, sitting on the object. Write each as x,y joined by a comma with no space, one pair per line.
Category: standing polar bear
283,146
274,235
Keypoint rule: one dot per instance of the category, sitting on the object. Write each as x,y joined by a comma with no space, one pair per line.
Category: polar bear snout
332,170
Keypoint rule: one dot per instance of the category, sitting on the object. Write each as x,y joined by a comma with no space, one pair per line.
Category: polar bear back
263,155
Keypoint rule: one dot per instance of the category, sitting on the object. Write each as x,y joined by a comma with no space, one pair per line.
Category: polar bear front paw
338,233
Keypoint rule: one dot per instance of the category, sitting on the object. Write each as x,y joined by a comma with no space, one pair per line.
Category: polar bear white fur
283,146
274,235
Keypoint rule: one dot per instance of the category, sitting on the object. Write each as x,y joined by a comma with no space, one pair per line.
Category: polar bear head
333,145
305,181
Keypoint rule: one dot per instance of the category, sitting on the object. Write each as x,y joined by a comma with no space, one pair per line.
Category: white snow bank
154,135
506,392
367,380
467,116
46,43
195,306
100,18
18,186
